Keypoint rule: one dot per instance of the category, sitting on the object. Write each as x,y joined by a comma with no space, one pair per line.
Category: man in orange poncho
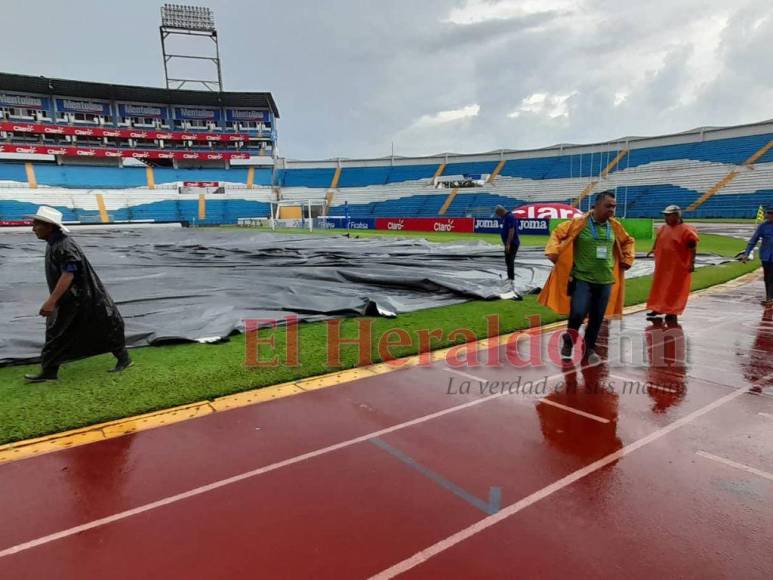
590,255
674,248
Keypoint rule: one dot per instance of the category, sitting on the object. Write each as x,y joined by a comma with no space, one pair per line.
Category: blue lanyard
595,233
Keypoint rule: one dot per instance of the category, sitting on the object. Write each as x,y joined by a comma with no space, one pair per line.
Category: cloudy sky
352,77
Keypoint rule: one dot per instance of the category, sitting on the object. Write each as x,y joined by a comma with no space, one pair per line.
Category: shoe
41,378
566,349
517,296
653,314
672,318
592,358
122,365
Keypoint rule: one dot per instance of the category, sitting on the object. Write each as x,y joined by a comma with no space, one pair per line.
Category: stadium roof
68,88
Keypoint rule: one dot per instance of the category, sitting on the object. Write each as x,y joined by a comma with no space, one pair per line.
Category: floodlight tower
196,21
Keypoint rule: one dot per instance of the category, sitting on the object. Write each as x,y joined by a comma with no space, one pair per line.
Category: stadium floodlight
199,21
187,17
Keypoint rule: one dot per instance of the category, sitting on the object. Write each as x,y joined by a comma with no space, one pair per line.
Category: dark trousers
589,300
53,369
767,267
510,261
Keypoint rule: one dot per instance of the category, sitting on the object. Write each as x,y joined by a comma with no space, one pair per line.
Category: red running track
393,475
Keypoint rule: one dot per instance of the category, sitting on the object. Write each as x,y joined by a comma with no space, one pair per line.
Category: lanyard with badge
602,250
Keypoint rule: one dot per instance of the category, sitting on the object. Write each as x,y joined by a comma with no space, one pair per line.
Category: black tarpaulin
199,284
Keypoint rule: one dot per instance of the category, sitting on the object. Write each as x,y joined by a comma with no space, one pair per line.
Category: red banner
132,153
40,129
463,225
11,223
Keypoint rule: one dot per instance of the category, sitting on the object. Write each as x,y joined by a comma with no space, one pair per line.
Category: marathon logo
247,114
20,101
197,113
143,111
83,106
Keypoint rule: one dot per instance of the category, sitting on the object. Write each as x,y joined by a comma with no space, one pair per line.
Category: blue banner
535,227
194,113
24,101
86,107
246,115
140,110
357,224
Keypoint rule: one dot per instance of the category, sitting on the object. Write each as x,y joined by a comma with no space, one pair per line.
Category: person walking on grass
590,255
764,232
674,248
509,233
81,318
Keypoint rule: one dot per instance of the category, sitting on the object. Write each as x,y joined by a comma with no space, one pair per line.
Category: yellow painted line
103,216
753,159
150,177
202,206
448,201
31,179
119,427
250,177
336,178
495,173
440,169
255,396
721,184
612,164
584,193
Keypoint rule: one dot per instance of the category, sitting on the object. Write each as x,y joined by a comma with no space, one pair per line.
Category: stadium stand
714,172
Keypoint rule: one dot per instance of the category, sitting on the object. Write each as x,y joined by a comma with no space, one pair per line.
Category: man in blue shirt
765,233
509,233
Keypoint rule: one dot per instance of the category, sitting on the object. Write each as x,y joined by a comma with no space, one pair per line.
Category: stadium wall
723,172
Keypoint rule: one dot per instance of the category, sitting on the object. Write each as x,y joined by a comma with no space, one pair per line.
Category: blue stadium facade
714,172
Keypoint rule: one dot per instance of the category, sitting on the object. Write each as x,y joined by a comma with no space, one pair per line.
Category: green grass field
173,375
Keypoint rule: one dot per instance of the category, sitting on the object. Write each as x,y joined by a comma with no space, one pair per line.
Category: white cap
672,209
49,215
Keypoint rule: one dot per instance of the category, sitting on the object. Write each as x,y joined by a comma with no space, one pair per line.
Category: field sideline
169,376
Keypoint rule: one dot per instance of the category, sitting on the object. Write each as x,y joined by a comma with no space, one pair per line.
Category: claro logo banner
463,225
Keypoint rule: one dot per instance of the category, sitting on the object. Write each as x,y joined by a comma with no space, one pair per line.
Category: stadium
335,373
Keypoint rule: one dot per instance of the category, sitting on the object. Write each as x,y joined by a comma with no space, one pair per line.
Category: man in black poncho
81,318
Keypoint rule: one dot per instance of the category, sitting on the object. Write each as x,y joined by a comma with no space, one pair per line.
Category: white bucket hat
50,215
672,209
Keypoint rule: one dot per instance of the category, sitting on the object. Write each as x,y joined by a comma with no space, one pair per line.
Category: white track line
541,400
740,466
645,382
235,479
575,411
460,536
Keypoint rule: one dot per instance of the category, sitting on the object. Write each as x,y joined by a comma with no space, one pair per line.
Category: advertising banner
131,110
534,227
23,101
245,115
194,113
88,107
463,225
133,153
41,129
357,224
